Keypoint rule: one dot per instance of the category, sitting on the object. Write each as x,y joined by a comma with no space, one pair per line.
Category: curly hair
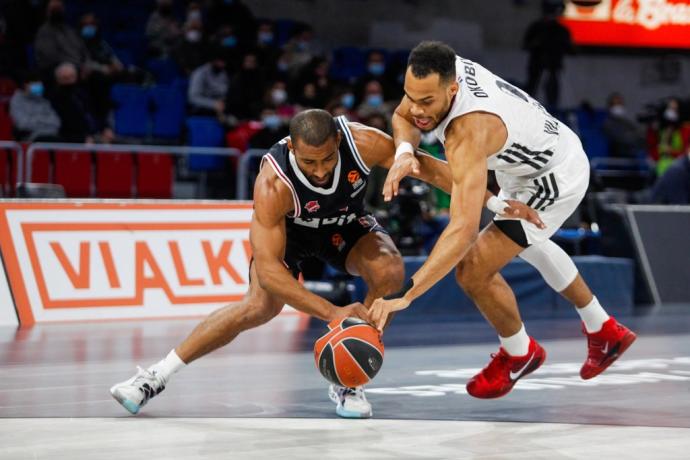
432,57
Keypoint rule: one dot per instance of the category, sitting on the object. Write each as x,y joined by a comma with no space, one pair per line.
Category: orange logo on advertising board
148,263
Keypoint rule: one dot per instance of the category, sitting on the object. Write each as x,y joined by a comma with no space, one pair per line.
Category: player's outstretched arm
467,145
268,238
377,149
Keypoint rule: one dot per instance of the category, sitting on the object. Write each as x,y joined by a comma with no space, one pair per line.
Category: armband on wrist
496,205
404,147
401,293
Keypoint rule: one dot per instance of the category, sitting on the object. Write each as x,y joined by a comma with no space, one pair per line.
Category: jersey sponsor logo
312,206
355,179
472,83
317,223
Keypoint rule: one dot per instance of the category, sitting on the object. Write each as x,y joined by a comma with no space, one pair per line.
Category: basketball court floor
262,397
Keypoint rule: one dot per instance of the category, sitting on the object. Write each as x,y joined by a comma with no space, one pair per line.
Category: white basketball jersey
533,133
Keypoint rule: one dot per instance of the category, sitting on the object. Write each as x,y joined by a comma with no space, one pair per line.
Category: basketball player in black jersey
308,202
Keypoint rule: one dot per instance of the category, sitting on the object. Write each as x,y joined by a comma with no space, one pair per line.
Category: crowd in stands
68,66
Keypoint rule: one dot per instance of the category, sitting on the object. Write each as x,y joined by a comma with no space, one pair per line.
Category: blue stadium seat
348,63
590,125
164,70
131,110
168,110
205,132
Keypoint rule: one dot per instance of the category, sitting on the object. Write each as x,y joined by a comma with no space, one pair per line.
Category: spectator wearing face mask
235,14
57,42
301,50
672,142
104,68
343,104
277,97
226,40
265,46
625,137
208,87
274,129
33,117
192,49
162,30
373,101
71,103
377,69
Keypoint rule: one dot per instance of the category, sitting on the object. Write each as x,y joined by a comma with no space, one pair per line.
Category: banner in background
631,23
102,260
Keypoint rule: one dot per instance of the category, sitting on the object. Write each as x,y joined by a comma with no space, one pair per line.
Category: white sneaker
351,402
134,393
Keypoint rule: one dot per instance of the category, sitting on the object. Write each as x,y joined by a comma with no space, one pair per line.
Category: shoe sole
132,407
624,344
536,365
341,412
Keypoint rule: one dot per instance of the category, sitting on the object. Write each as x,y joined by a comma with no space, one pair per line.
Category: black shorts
331,244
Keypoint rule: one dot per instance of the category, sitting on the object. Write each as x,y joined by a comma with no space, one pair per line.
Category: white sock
168,366
593,315
517,344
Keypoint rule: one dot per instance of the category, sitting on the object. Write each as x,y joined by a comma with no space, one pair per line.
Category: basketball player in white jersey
486,123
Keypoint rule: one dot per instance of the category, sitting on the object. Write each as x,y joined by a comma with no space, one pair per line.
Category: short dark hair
313,127
432,57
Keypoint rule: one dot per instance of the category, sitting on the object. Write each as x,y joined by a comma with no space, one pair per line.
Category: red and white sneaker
499,377
605,346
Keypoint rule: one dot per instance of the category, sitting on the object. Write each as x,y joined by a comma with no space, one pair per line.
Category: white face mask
278,96
671,115
617,110
193,36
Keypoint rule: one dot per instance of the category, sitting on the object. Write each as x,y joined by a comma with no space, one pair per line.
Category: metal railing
11,145
24,175
243,170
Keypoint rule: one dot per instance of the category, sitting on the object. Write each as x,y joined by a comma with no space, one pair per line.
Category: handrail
119,148
243,172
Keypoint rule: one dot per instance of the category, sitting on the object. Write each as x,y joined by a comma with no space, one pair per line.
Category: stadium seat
154,175
590,125
164,70
205,132
114,174
73,172
168,110
348,63
5,122
131,110
40,167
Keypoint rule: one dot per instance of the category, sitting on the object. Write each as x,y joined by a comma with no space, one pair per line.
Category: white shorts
555,194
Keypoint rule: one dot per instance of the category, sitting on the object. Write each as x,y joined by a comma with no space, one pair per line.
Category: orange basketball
350,354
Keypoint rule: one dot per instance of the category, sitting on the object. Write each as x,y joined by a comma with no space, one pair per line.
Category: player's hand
356,310
382,308
405,165
519,210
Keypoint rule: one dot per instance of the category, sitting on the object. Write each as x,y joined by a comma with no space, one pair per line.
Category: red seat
114,175
154,175
5,122
8,171
40,167
73,172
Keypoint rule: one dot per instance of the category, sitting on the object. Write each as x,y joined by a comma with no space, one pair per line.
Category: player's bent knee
259,312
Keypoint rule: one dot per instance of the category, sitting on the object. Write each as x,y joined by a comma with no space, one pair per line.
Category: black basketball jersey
320,207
